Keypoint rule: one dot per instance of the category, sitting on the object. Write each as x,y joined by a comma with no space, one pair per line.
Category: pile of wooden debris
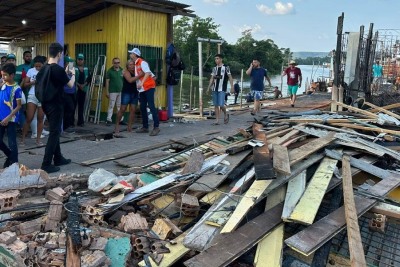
225,201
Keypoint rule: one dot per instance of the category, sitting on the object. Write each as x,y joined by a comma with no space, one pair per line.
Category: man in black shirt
53,108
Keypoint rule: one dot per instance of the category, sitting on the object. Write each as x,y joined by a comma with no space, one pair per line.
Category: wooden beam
261,157
358,110
307,208
314,236
392,106
247,202
294,192
302,152
357,256
369,129
231,246
387,209
286,137
335,129
281,159
73,258
330,121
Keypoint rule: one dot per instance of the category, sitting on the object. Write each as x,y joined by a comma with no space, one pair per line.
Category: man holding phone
69,97
258,76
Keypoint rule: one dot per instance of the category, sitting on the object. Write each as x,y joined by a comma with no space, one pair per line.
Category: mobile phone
71,66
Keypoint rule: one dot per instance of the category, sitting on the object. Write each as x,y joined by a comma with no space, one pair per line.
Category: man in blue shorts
293,80
219,83
258,76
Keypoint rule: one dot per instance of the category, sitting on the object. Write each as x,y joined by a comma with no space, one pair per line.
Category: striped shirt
220,75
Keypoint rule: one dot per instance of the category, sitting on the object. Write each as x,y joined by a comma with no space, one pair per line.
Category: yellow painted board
269,249
307,208
163,201
177,251
249,199
220,217
294,192
211,197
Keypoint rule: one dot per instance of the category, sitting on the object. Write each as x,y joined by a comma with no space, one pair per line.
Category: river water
309,73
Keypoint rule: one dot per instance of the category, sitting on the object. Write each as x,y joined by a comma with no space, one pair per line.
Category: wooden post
191,88
180,93
340,97
241,88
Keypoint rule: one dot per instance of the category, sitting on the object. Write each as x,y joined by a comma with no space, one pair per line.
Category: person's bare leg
40,120
30,112
256,106
294,99
131,119
119,116
217,111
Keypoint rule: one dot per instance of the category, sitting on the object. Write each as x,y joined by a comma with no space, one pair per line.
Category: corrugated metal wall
119,26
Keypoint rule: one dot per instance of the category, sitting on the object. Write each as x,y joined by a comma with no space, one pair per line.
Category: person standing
23,68
82,84
114,83
10,103
219,83
258,76
236,88
54,108
129,96
69,99
146,85
377,71
293,80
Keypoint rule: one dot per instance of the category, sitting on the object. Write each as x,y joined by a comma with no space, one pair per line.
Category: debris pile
211,204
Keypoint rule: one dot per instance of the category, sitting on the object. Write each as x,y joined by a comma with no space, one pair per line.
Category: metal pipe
200,78
60,5
199,39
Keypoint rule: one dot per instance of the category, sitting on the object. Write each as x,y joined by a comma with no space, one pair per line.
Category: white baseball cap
135,51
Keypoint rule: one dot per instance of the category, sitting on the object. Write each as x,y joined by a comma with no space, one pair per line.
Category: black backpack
44,88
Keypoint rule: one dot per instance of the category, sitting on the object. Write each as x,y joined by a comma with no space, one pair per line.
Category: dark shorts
129,98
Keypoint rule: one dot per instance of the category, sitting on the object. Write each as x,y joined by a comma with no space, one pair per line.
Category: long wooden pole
241,88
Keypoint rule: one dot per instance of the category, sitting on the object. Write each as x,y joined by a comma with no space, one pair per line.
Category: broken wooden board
392,106
213,196
261,157
302,152
246,203
177,251
307,208
394,115
124,154
364,128
233,245
208,182
202,234
361,147
314,236
195,139
220,217
357,256
286,137
269,249
357,110
194,163
387,209
294,192
281,159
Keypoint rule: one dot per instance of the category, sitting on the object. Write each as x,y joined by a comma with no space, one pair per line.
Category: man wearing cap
146,86
114,82
82,84
258,76
293,80
69,97
11,58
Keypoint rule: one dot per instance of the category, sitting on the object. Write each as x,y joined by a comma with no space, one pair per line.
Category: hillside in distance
309,54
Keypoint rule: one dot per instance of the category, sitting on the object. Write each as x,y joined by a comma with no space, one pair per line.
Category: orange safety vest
149,83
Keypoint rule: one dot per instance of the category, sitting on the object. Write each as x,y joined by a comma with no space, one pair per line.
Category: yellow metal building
114,29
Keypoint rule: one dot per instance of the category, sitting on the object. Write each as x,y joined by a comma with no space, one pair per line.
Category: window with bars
91,53
153,56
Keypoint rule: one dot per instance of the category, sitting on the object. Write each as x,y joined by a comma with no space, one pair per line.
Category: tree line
238,56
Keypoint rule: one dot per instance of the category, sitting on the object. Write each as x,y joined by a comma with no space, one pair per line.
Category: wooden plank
213,196
194,163
269,249
294,192
358,110
392,106
334,129
248,201
299,120
202,234
307,208
124,154
220,217
357,256
286,137
233,245
208,182
195,139
261,157
361,147
314,236
394,115
302,152
387,209
281,159
177,251
369,129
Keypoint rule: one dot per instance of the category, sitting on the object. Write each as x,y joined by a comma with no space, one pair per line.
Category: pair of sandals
226,120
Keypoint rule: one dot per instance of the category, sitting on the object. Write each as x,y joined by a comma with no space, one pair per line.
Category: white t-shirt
32,77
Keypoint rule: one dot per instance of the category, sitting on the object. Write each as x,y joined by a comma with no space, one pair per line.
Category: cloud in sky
247,28
216,2
278,9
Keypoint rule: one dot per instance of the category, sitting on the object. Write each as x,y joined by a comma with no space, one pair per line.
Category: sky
301,25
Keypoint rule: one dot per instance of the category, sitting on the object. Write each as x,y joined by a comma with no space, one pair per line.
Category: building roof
40,15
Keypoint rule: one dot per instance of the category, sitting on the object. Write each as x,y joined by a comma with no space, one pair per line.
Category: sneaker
44,132
155,132
142,130
7,163
108,123
62,161
50,168
33,136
